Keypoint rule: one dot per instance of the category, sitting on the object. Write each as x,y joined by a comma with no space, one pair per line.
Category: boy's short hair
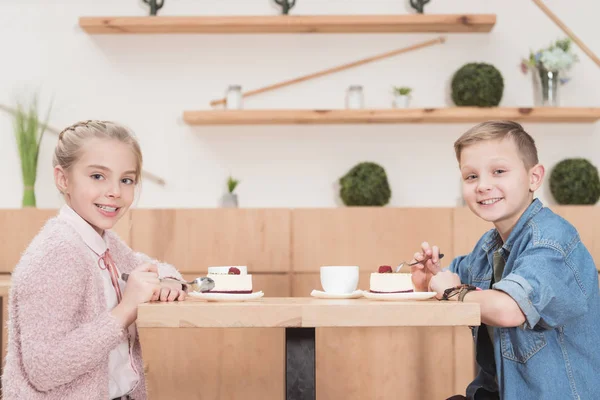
498,130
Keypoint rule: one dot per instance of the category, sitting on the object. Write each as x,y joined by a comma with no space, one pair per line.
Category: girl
72,332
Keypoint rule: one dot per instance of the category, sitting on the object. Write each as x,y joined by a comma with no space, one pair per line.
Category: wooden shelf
390,116
291,24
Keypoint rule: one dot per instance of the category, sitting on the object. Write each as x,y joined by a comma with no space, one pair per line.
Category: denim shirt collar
495,241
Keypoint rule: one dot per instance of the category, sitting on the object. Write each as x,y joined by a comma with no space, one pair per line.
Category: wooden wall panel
586,220
123,228
467,230
366,236
214,364
193,240
19,227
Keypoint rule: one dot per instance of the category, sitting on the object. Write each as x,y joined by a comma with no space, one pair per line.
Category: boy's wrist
457,293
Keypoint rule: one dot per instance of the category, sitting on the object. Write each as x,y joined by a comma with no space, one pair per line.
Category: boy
535,281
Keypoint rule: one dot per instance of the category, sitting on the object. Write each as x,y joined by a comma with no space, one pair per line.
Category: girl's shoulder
56,234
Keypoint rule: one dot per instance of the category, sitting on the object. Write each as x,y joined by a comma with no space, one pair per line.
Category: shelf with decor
391,116
432,23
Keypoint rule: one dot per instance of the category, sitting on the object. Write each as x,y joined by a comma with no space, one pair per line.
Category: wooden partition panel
467,230
586,220
193,240
19,226
366,236
385,363
214,364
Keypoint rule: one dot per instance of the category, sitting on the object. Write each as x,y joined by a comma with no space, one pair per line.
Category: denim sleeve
459,267
546,287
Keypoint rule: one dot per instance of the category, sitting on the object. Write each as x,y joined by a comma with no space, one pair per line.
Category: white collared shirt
122,375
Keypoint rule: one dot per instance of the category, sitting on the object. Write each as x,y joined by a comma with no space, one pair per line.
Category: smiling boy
534,279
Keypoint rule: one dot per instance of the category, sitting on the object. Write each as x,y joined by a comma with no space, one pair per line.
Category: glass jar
354,97
233,97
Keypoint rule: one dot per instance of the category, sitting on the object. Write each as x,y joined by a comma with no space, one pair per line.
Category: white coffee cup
339,279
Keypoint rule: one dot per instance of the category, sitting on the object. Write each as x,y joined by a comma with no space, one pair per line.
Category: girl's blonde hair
498,130
72,139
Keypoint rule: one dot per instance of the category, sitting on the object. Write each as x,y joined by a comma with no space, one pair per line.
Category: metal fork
399,267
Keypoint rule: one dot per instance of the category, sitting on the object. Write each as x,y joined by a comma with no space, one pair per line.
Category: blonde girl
72,332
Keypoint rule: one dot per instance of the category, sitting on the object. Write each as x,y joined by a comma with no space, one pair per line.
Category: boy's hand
428,265
442,281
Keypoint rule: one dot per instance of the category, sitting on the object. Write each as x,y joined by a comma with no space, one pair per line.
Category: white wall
147,81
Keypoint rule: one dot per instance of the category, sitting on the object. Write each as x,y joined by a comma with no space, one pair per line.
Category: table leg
300,364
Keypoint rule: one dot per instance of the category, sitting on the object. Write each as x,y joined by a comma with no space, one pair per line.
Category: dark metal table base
300,364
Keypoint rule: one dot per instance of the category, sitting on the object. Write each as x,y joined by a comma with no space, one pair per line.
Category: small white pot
229,200
401,101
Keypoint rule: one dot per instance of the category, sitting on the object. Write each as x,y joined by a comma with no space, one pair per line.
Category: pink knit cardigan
59,331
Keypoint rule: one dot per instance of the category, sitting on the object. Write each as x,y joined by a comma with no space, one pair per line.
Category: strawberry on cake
232,280
385,280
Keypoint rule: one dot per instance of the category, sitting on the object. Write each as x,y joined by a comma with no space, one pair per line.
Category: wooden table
300,316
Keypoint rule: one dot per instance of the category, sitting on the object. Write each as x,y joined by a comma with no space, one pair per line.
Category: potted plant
402,96
229,199
549,68
29,131
366,184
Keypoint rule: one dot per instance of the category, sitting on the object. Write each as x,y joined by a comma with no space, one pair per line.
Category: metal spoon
203,284
399,267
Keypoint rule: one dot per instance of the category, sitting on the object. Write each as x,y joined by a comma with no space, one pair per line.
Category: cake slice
232,280
387,281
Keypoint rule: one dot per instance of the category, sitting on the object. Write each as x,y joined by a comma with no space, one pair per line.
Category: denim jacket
551,275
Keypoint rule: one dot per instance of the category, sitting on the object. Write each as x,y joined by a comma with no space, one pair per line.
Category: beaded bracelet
460,290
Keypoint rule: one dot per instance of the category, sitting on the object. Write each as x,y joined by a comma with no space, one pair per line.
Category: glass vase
546,84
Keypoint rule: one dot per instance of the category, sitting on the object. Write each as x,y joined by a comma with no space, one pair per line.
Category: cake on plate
385,280
232,280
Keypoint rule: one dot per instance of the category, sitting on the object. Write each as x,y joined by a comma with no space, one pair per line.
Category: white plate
226,296
324,295
399,296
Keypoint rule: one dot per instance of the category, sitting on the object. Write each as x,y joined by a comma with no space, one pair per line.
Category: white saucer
226,296
399,296
324,295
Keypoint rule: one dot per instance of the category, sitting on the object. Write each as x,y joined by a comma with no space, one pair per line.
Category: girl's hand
170,291
142,286
442,281
428,266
